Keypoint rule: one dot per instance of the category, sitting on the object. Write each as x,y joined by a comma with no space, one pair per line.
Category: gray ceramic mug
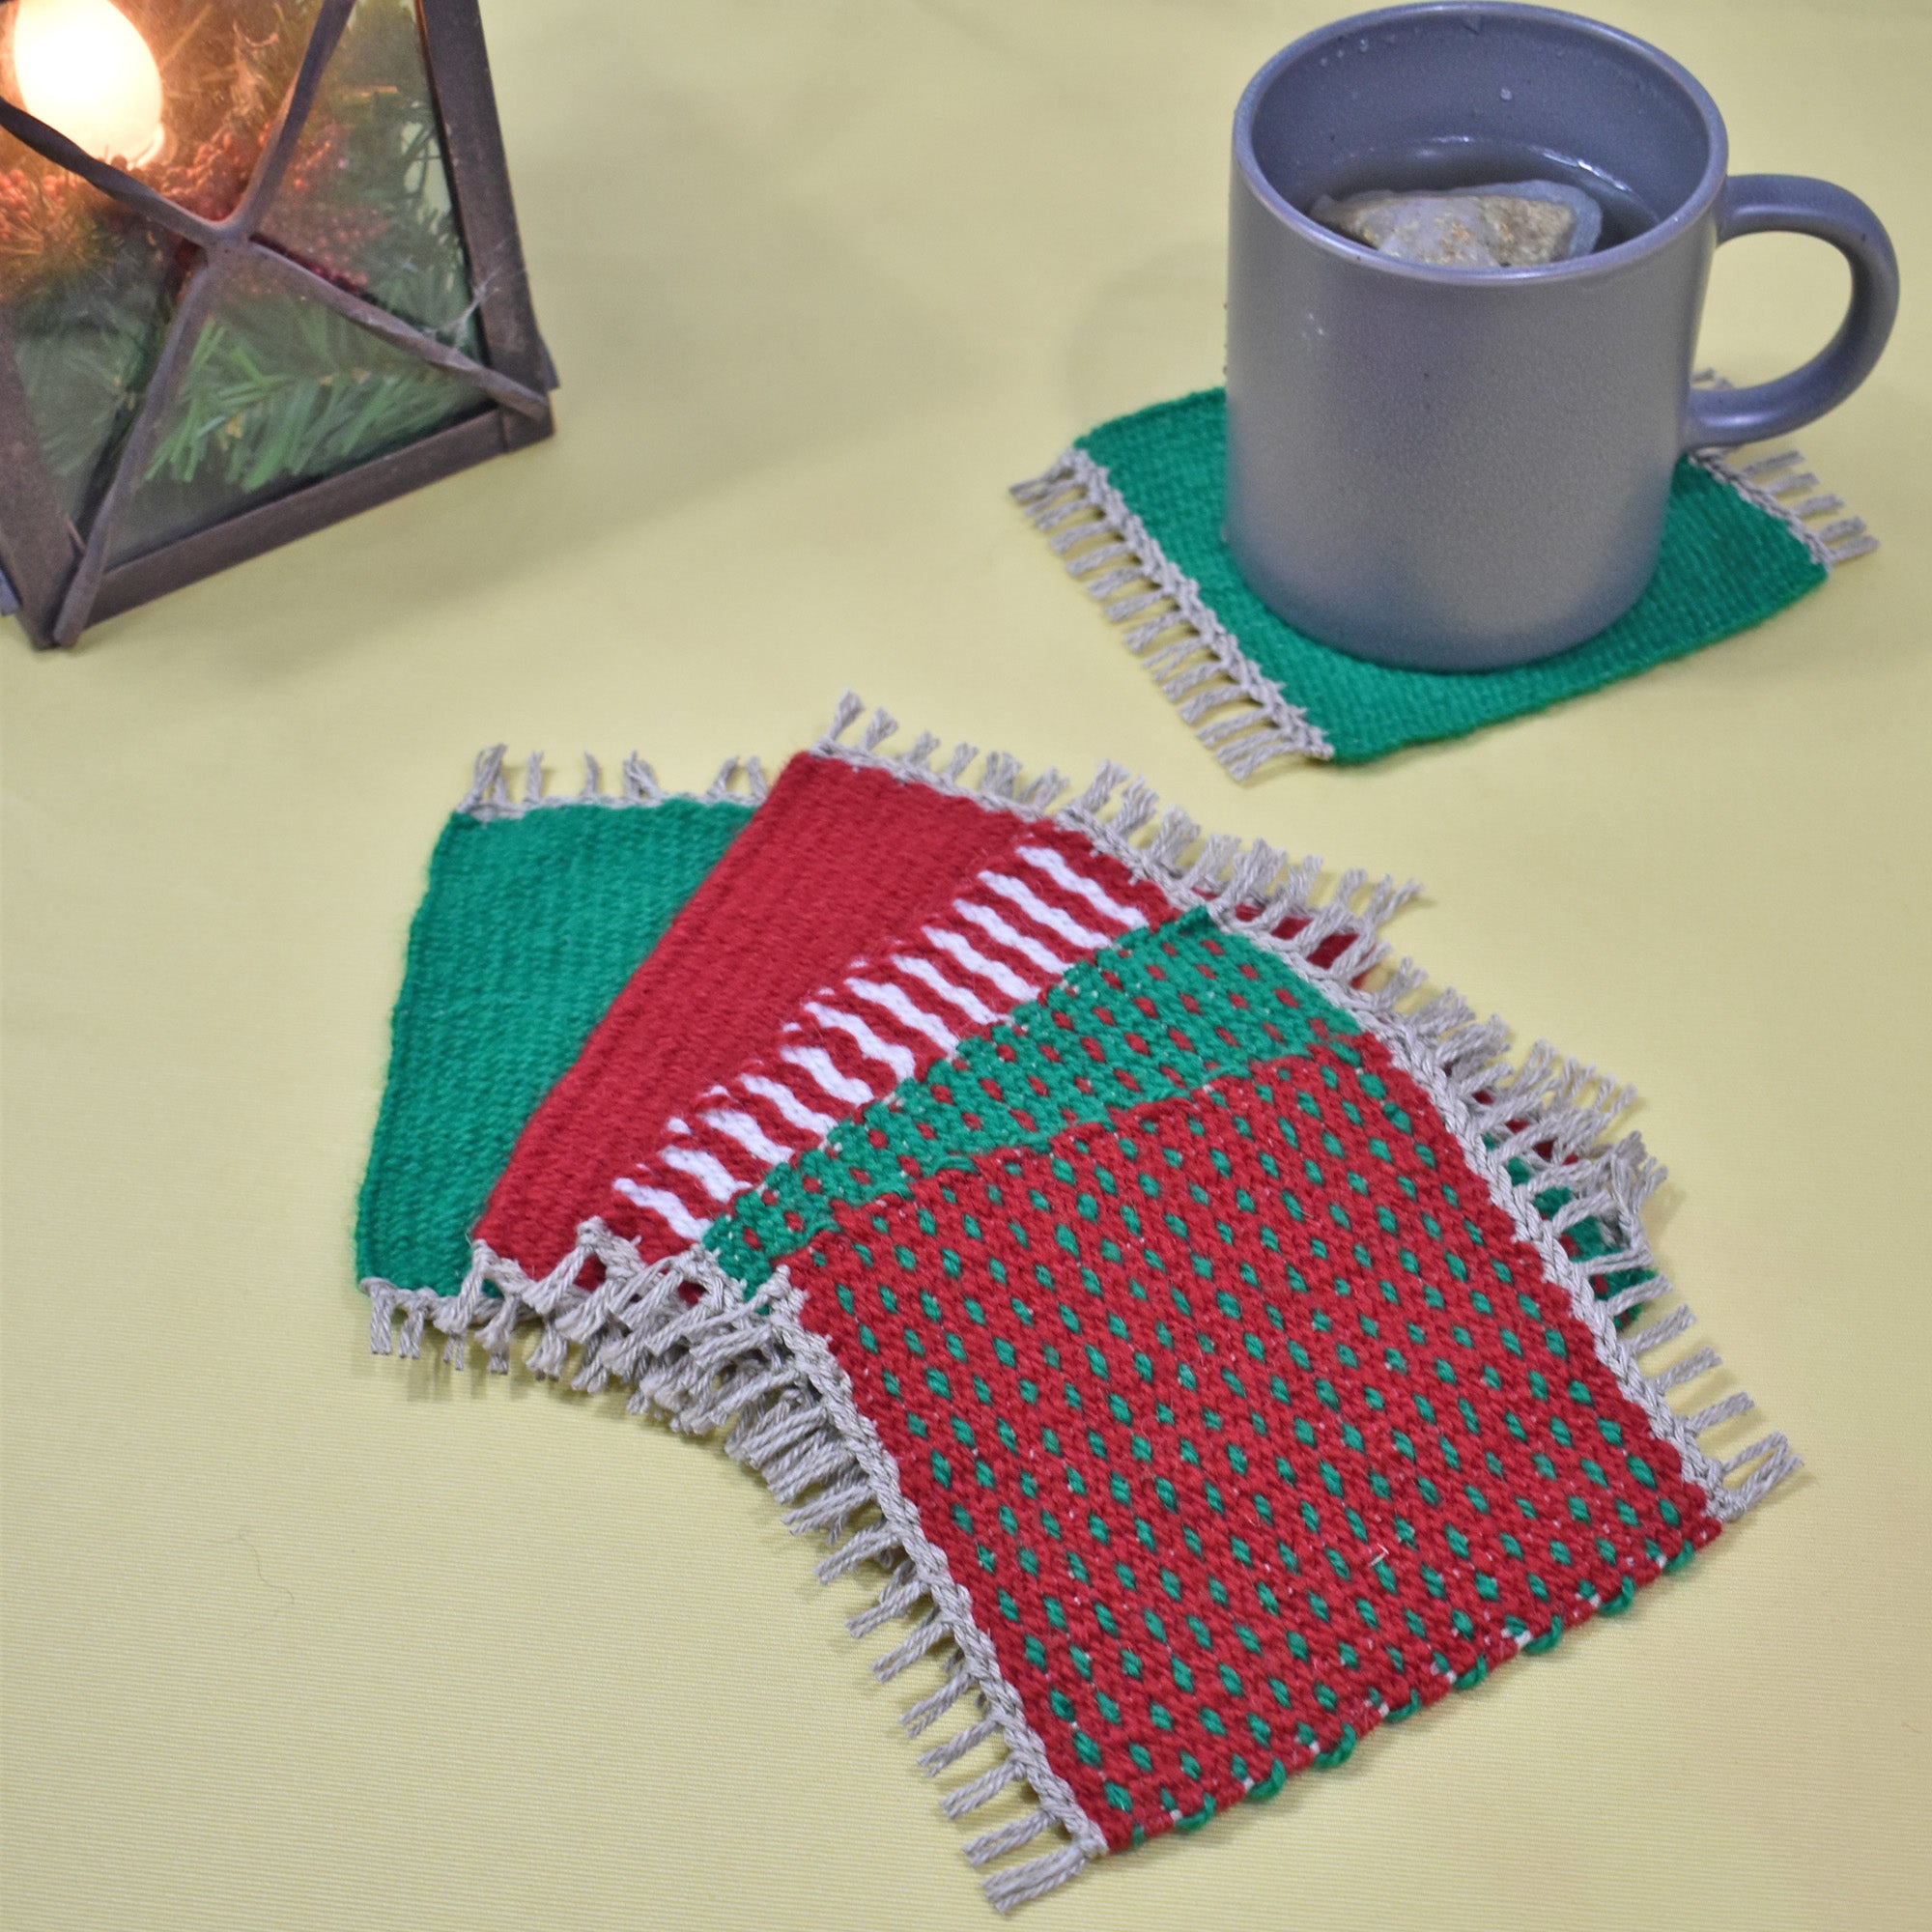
1457,469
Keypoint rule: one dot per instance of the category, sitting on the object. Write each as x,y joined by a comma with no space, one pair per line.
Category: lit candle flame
82,67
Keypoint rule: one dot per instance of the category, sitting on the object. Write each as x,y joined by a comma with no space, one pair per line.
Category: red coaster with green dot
1246,1421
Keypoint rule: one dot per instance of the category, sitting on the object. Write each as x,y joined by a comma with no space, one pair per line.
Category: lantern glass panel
278,393
226,67
266,313
87,291
366,201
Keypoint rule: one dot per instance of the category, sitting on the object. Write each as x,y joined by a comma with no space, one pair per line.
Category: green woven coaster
1135,507
536,913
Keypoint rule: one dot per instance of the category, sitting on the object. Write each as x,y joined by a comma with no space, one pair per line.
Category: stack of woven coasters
1209,1341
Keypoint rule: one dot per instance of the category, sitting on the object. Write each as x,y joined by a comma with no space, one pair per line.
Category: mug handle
1796,203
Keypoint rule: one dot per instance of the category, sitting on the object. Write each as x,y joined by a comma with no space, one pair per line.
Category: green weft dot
1195,1820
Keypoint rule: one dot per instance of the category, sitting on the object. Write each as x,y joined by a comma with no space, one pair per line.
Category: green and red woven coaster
1135,508
1211,1344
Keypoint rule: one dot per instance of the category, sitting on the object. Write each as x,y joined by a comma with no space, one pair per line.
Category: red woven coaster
1193,1446
1242,1426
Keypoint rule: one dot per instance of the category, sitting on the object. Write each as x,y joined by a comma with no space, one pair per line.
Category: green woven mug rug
536,912
1222,1353
1135,507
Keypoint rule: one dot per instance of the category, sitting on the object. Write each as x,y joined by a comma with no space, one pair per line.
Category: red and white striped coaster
1010,932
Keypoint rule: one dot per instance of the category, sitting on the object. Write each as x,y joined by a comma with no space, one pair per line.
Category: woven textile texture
1161,1013
1245,1424
860,920
530,924
1022,924
1205,1344
1733,554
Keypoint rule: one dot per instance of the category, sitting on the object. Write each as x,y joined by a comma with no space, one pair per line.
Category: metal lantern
259,270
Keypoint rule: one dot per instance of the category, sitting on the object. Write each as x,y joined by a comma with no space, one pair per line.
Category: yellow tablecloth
296,1639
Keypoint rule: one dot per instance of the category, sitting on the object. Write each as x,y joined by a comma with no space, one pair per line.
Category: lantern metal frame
60,576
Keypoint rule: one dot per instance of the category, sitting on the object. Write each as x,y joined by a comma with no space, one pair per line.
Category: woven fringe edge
747,1368
741,779
1242,716
1776,480
1551,1113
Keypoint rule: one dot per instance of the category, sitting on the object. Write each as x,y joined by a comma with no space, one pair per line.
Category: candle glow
82,67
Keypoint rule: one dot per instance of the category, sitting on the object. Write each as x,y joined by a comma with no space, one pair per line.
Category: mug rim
1606,261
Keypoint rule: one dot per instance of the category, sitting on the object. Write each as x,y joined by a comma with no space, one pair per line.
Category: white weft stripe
866,1041
787,1103
914,1018
1017,893
707,1170
995,927
1064,876
929,976
667,1207
976,962
817,1061
747,1133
